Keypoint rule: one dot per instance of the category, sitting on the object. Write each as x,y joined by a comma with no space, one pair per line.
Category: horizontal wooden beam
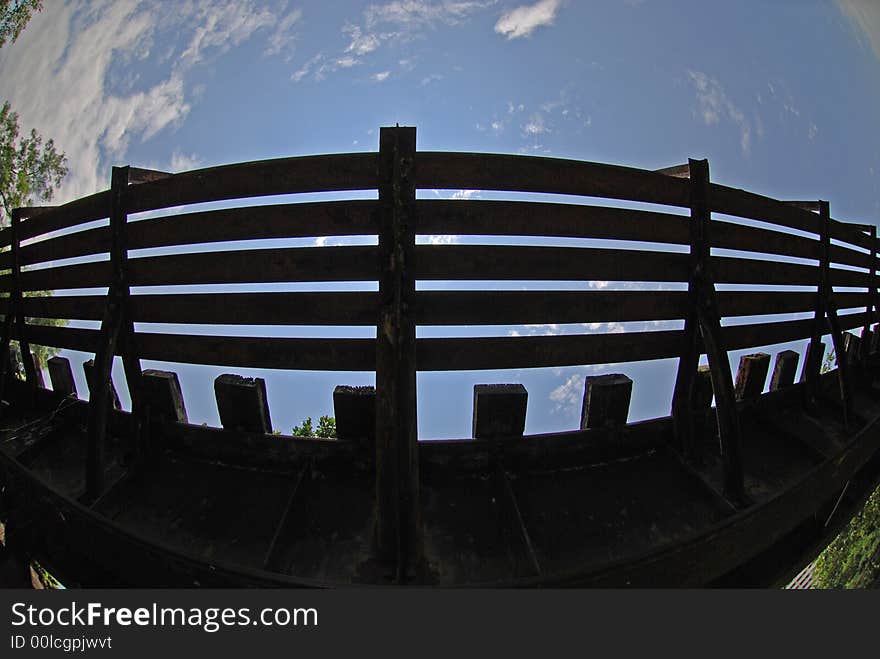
524,218
325,173
486,171
503,262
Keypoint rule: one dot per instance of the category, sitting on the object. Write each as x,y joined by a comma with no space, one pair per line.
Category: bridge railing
831,248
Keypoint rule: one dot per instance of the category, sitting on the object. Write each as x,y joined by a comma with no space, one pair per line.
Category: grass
852,560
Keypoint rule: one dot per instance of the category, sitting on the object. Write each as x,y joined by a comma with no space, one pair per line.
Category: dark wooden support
784,370
13,325
751,375
89,370
116,336
851,346
162,396
875,338
354,409
242,403
39,380
398,529
606,401
703,323
61,376
871,307
813,358
826,292
499,410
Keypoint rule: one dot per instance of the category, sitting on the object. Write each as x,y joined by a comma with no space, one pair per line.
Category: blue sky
781,96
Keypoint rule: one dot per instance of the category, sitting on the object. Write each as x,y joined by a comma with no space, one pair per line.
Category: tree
326,428
30,171
14,15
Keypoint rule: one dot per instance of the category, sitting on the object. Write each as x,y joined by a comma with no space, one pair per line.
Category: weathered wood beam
784,369
606,401
162,396
354,409
398,530
242,403
751,375
499,411
61,376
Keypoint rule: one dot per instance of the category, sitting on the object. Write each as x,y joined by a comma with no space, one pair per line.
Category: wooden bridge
744,492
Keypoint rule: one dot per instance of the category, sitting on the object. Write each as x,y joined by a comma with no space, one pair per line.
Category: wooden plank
754,303
242,403
784,370
541,307
850,233
729,270
755,335
457,354
80,211
84,340
61,376
499,411
259,352
325,173
730,235
523,218
354,263
732,201
81,275
354,409
487,171
751,375
503,262
306,308
606,401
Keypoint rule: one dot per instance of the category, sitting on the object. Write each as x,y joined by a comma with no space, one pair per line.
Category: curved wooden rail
831,278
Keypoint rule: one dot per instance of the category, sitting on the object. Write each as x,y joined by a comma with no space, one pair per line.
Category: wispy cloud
399,21
181,162
382,76
714,105
524,20
70,52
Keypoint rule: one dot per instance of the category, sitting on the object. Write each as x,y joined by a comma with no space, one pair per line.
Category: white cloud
524,20
714,105
283,37
182,162
812,131
59,76
427,80
536,125
381,76
465,194
399,21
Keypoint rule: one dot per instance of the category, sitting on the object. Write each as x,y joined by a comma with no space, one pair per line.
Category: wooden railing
396,217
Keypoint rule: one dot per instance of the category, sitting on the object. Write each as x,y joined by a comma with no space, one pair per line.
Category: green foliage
29,172
326,428
852,560
830,362
14,15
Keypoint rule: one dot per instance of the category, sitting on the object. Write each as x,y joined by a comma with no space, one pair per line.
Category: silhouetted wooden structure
740,493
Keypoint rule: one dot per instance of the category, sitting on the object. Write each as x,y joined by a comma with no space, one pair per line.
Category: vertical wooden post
397,478
14,323
843,368
704,322
871,308
710,328
116,336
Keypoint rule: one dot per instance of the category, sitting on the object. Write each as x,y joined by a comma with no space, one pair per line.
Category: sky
781,96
